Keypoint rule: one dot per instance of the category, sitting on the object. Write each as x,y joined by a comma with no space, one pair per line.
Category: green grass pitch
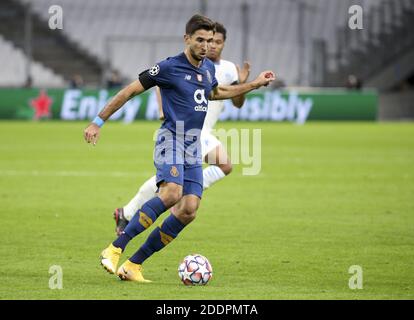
330,195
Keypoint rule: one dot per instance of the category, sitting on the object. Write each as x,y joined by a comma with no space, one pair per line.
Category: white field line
64,173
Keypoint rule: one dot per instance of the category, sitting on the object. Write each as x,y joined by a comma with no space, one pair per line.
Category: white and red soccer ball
195,269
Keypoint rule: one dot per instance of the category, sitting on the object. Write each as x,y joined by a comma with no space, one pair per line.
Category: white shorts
208,142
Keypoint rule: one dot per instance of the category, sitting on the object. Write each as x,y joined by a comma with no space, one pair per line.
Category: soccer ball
195,269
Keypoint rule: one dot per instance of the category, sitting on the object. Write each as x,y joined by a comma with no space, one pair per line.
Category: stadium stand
131,35
51,48
381,54
13,72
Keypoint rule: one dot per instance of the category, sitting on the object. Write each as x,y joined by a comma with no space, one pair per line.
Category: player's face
199,43
216,47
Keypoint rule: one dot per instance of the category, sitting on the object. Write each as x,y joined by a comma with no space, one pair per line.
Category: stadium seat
272,38
14,71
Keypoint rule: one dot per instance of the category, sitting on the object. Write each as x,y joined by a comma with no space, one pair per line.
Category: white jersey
226,74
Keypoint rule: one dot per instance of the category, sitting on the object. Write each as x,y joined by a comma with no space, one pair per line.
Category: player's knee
186,216
177,194
171,195
226,168
191,208
188,211
190,217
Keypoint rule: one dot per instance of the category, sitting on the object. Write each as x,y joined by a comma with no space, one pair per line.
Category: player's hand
264,78
244,72
91,133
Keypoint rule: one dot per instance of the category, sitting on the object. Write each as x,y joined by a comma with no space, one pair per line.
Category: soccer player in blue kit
186,82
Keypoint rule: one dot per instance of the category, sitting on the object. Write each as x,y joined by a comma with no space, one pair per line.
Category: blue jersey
184,90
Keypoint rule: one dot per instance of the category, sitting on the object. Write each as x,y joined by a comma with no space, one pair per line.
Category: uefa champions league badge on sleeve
154,70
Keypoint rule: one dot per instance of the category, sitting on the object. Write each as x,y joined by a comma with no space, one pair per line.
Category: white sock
146,192
211,175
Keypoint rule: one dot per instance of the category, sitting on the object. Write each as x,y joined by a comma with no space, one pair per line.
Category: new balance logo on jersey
187,77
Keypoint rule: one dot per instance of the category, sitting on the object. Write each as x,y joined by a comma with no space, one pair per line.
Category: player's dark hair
198,22
220,29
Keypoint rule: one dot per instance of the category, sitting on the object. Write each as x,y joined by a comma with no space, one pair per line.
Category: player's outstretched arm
91,133
222,92
243,74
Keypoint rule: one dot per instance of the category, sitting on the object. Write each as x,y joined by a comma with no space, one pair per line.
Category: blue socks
142,220
122,241
158,239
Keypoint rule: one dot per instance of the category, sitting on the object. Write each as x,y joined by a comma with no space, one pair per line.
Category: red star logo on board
41,105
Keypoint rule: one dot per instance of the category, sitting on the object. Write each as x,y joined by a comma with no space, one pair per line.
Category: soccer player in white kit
213,152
